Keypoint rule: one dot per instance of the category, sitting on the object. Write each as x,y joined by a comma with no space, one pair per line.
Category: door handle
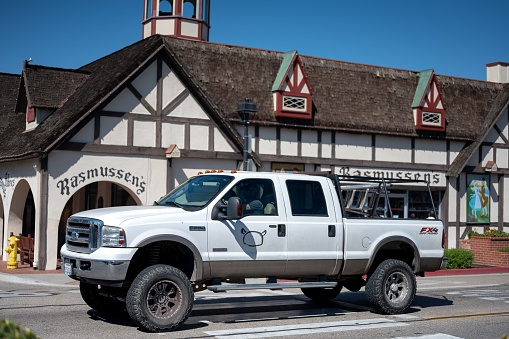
281,230
332,231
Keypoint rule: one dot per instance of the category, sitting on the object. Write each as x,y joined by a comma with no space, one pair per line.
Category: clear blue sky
453,37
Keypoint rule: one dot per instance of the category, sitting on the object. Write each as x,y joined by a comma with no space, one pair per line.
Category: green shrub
8,329
503,249
458,258
489,233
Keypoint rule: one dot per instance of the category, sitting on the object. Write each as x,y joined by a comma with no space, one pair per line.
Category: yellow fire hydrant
12,249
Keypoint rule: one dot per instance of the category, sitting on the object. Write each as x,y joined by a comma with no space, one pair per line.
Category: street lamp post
244,109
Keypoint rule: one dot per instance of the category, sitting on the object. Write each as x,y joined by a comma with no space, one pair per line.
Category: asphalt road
446,307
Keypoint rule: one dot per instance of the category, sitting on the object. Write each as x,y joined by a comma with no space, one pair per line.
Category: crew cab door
255,245
315,236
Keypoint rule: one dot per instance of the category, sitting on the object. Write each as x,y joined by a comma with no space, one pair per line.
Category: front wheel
160,298
322,294
391,288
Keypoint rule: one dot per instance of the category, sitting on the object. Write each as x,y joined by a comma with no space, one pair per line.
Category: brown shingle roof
347,96
49,87
9,85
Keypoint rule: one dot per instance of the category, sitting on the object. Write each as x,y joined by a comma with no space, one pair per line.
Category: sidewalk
27,275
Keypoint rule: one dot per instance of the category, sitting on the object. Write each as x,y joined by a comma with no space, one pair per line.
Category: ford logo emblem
74,236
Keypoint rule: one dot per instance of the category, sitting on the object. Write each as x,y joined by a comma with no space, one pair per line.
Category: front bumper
93,268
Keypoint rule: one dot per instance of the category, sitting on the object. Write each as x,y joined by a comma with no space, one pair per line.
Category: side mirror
233,210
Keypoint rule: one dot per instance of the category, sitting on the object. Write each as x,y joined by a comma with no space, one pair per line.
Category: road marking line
302,329
432,336
454,287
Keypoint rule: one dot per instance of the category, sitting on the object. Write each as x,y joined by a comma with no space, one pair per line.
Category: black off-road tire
160,298
392,286
322,295
101,303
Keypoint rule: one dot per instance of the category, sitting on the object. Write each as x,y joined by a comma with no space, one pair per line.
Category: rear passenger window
306,198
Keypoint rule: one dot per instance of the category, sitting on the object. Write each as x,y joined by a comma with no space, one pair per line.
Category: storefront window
408,204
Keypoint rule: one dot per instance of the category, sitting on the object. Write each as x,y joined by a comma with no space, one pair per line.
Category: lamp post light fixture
244,109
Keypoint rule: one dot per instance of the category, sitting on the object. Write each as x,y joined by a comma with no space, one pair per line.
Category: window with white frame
294,103
430,118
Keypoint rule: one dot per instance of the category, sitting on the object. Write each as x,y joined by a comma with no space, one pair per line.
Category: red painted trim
30,114
419,126
432,97
498,63
280,112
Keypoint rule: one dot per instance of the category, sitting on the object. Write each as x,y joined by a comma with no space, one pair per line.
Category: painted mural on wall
478,198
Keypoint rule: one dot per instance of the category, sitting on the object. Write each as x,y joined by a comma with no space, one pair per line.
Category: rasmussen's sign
434,178
5,183
74,181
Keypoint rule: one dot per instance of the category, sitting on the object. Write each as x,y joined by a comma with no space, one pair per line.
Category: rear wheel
160,298
392,286
322,294
91,294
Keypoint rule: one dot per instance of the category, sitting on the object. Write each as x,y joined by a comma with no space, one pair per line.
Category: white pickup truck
317,232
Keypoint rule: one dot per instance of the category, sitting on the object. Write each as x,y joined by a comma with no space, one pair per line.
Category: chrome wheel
396,287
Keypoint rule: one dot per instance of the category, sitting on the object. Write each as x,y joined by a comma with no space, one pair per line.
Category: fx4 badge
429,230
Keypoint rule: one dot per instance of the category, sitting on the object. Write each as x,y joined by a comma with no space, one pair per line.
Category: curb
468,271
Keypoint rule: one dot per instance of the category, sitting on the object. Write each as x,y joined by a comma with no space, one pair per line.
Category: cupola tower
180,18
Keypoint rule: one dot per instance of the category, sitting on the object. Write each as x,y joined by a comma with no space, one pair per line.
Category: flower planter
486,251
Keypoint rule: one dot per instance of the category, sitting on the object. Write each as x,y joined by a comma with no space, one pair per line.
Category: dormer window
291,90
428,104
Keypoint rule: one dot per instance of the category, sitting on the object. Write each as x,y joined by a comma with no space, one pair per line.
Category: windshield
196,192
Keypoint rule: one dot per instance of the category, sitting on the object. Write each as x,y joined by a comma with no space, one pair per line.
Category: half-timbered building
128,127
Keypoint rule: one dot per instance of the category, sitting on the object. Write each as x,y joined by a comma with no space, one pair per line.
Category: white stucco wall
71,171
289,144
146,84
86,134
353,146
126,102
431,152
13,178
173,133
144,133
199,137
113,131
220,142
309,143
393,149
267,140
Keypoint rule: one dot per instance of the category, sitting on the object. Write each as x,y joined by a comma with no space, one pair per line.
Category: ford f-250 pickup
319,233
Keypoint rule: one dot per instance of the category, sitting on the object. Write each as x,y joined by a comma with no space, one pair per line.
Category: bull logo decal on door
253,238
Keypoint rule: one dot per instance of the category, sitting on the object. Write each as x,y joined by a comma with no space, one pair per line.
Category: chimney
498,72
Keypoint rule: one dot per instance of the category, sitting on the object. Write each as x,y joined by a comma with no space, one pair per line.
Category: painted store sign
66,184
434,178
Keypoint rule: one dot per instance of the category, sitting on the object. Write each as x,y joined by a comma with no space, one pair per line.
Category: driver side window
257,196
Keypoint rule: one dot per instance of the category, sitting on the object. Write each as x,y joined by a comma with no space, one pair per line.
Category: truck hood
115,216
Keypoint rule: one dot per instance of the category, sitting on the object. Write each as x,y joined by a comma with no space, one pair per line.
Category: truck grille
82,234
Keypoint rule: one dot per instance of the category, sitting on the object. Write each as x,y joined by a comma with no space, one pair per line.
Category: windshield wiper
174,204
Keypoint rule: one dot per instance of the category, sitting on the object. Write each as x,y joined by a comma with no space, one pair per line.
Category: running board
271,286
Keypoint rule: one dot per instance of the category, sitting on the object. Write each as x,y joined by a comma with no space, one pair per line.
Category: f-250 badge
253,238
429,230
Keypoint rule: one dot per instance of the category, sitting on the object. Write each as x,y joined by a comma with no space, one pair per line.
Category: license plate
67,268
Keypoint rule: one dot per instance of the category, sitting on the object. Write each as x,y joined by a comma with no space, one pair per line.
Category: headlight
113,236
